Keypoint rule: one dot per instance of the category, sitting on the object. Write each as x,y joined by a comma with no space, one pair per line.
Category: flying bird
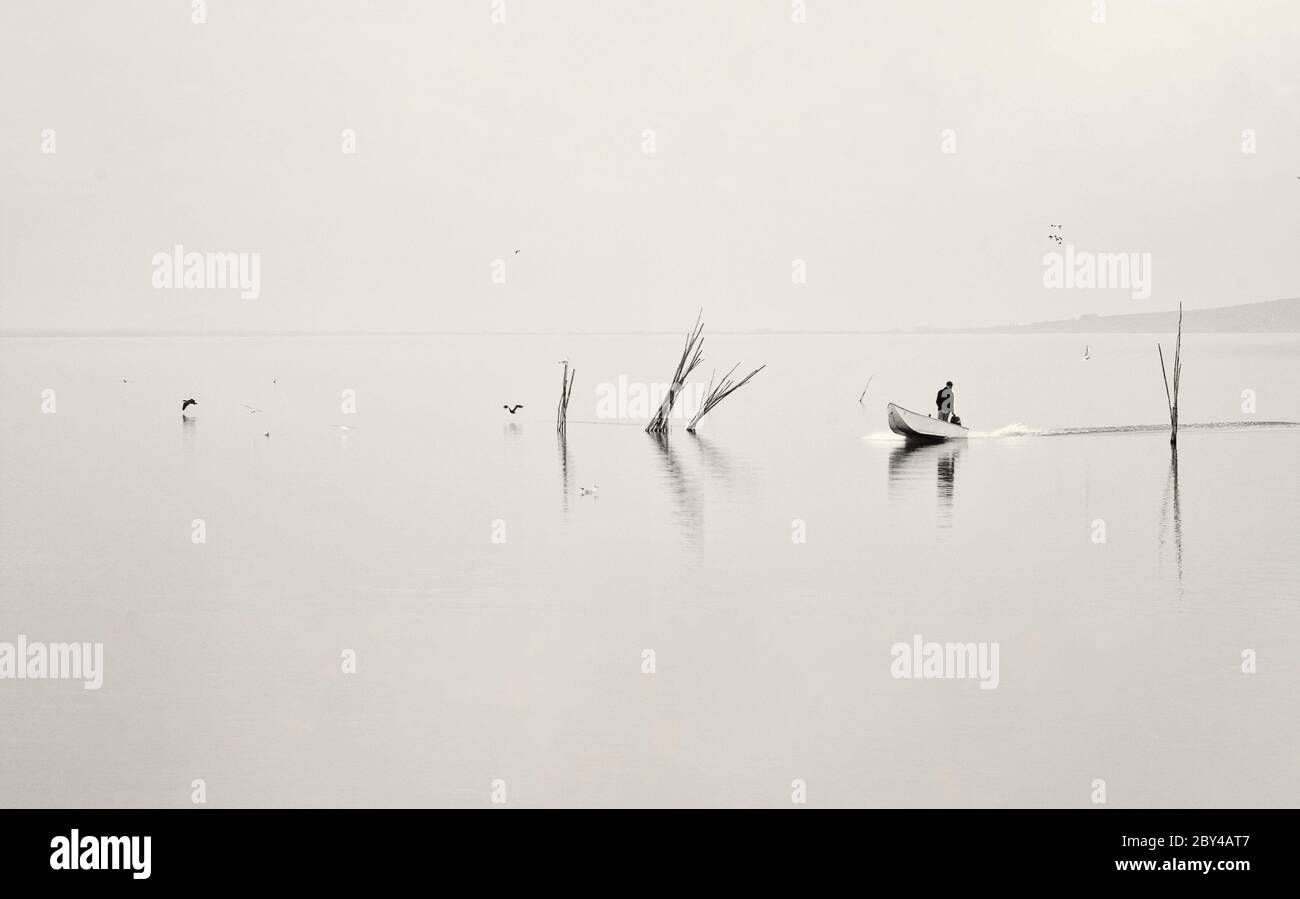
187,403
250,408
514,408
589,491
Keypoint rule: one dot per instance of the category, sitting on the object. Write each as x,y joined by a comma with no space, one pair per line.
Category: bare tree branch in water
1172,400
717,394
566,390
690,359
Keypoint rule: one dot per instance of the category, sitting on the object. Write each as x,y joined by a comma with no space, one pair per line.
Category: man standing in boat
944,400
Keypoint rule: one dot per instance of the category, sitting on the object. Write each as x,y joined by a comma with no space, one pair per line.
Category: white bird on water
1086,355
589,491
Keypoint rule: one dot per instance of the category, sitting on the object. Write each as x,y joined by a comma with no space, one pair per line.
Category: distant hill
1270,317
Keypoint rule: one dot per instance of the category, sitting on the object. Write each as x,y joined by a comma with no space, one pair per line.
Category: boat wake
1022,430
1015,429
1019,429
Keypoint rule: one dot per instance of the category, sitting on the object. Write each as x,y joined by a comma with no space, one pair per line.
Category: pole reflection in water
1171,507
562,439
679,484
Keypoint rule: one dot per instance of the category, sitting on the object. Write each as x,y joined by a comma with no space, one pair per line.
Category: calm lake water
522,660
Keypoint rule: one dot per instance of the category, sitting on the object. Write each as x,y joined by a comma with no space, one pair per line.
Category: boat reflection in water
915,464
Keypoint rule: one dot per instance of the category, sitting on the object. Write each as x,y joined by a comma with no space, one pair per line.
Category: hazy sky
774,141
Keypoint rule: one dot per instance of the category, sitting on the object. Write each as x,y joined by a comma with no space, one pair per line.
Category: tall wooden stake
566,390
1171,397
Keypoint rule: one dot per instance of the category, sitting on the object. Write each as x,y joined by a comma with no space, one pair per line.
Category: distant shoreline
1269,317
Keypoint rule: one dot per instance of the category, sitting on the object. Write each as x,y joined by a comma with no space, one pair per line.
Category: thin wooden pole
1178,376
1171,397
1169,403
566,390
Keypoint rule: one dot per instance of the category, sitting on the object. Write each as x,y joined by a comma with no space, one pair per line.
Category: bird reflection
912,464
187,435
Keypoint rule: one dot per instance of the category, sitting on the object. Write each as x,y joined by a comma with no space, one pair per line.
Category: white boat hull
922,428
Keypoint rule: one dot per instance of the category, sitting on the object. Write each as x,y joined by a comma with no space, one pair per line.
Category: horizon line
1068,326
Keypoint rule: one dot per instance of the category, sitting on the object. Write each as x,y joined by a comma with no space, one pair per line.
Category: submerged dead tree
566,391
689,361
1172,398
717,394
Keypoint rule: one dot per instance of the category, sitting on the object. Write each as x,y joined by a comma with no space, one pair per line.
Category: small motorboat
919,428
